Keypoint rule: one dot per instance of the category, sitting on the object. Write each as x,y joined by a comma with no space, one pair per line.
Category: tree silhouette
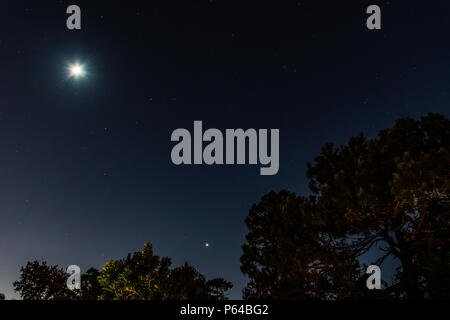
145,276
2,296
186,283
39,281
141,276
90,288
390,192
290,255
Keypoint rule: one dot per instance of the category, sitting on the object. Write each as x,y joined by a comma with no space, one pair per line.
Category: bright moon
76,70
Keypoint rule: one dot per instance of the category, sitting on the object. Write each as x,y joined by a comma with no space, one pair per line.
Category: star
207,245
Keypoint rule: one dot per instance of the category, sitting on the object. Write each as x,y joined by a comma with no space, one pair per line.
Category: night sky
85,168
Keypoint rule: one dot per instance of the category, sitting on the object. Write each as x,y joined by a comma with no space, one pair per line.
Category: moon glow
76,70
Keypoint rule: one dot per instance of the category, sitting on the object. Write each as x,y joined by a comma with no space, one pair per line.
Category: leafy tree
187,283
394,190
137,277
2,296
38,281
141,276
290,255
145,276
90,287
390,192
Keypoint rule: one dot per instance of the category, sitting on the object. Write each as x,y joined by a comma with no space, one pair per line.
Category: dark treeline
140,276
388,195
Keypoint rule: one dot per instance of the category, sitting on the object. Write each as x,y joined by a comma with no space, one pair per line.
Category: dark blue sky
85,170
